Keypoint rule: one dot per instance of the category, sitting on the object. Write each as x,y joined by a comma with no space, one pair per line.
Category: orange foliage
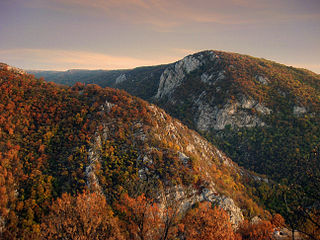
278,220
262,230
86,216
208,223
141,216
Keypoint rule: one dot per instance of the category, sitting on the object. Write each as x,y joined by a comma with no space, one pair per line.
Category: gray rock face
185,159
226,203
247,103
206,78
236,216
213,78
107,107
262,109
206,117
94,158
297,110
172,77
121,78
234,114
263,80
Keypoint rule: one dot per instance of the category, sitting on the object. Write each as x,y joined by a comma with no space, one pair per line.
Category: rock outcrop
297,110
263,80
235,114
172,77
121,78
226,203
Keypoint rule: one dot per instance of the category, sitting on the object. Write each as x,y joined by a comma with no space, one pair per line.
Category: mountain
61,147
264,115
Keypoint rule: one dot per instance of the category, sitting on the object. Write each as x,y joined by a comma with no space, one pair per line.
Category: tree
263,230
278,221
171,209
86,216
145,219
209,223
141,217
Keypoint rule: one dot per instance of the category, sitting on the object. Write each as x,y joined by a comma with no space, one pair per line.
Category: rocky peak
173,76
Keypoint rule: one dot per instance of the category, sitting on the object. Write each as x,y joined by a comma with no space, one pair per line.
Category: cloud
168,14
57,59
163,15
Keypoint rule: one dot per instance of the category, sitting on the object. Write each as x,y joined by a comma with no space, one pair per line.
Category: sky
118,34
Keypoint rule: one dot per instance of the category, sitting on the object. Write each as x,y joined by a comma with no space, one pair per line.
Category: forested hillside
84,162
263,115
239,102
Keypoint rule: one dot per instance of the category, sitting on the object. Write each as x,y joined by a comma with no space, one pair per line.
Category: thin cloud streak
53,59
166,15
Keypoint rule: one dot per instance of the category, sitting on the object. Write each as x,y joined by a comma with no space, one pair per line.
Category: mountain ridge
214,90
262,114
57,140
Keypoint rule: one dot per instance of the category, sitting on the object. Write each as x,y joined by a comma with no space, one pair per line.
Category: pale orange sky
112,34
